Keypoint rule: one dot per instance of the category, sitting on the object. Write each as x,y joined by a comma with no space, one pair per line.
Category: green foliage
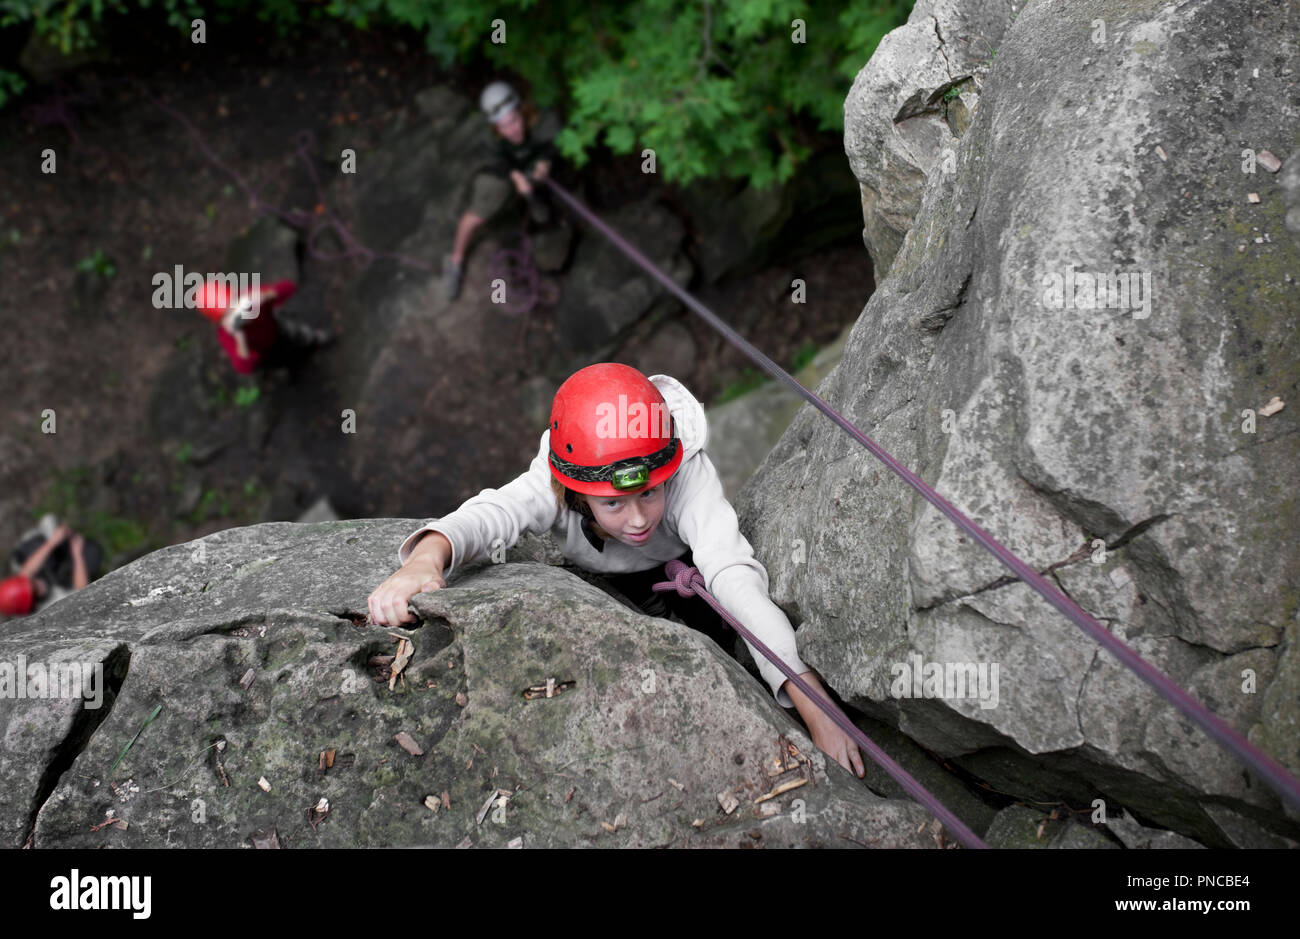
247,396
212,504
11,86
749,380
63,493
714,89
69,491
116,534
803,355
98,263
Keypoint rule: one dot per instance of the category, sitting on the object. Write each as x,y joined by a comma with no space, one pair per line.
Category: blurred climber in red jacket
251,330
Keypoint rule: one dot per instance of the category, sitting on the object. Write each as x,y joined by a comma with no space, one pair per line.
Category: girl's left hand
836,744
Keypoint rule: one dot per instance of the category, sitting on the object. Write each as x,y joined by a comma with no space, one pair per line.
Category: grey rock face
909,106
1117,444
604,292
743,431
254,643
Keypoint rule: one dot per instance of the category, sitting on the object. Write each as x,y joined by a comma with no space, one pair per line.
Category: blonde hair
531,114
569,499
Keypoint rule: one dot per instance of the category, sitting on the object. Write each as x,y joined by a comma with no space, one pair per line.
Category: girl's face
631,519
511,126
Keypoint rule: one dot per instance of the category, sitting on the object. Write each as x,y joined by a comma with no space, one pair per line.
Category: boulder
276,718
909,106
1118,446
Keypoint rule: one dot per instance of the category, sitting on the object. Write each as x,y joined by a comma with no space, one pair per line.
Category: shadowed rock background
992,148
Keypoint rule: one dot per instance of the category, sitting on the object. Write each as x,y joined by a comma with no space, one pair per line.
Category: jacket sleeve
496,517
707,523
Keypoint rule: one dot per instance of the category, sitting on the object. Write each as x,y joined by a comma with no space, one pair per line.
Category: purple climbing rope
526,286
1268,769
57,111
687,581
314,224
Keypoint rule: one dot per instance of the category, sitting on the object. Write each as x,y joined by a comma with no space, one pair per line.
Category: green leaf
130,743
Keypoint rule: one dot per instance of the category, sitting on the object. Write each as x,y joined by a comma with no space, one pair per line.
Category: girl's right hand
388,603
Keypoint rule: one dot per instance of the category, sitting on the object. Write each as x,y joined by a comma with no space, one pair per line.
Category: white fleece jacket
696,515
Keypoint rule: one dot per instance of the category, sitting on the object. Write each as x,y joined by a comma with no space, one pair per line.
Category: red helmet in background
611,433
214,300
17,596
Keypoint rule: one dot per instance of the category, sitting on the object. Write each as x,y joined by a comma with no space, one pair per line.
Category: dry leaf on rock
784,787
316,814
405,650
407,743
501,795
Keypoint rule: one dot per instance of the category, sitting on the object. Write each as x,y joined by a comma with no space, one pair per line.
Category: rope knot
683,579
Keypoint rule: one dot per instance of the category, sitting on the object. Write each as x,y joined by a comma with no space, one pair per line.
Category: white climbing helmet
497,101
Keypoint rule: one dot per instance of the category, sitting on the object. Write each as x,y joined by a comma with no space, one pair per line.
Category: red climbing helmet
611,432
16,595
214,299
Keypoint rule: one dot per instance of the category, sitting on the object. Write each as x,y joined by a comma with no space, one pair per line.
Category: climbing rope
526,287
315,223
1268,769
687,581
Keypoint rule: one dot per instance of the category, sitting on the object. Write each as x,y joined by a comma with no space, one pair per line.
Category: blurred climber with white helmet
518,154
